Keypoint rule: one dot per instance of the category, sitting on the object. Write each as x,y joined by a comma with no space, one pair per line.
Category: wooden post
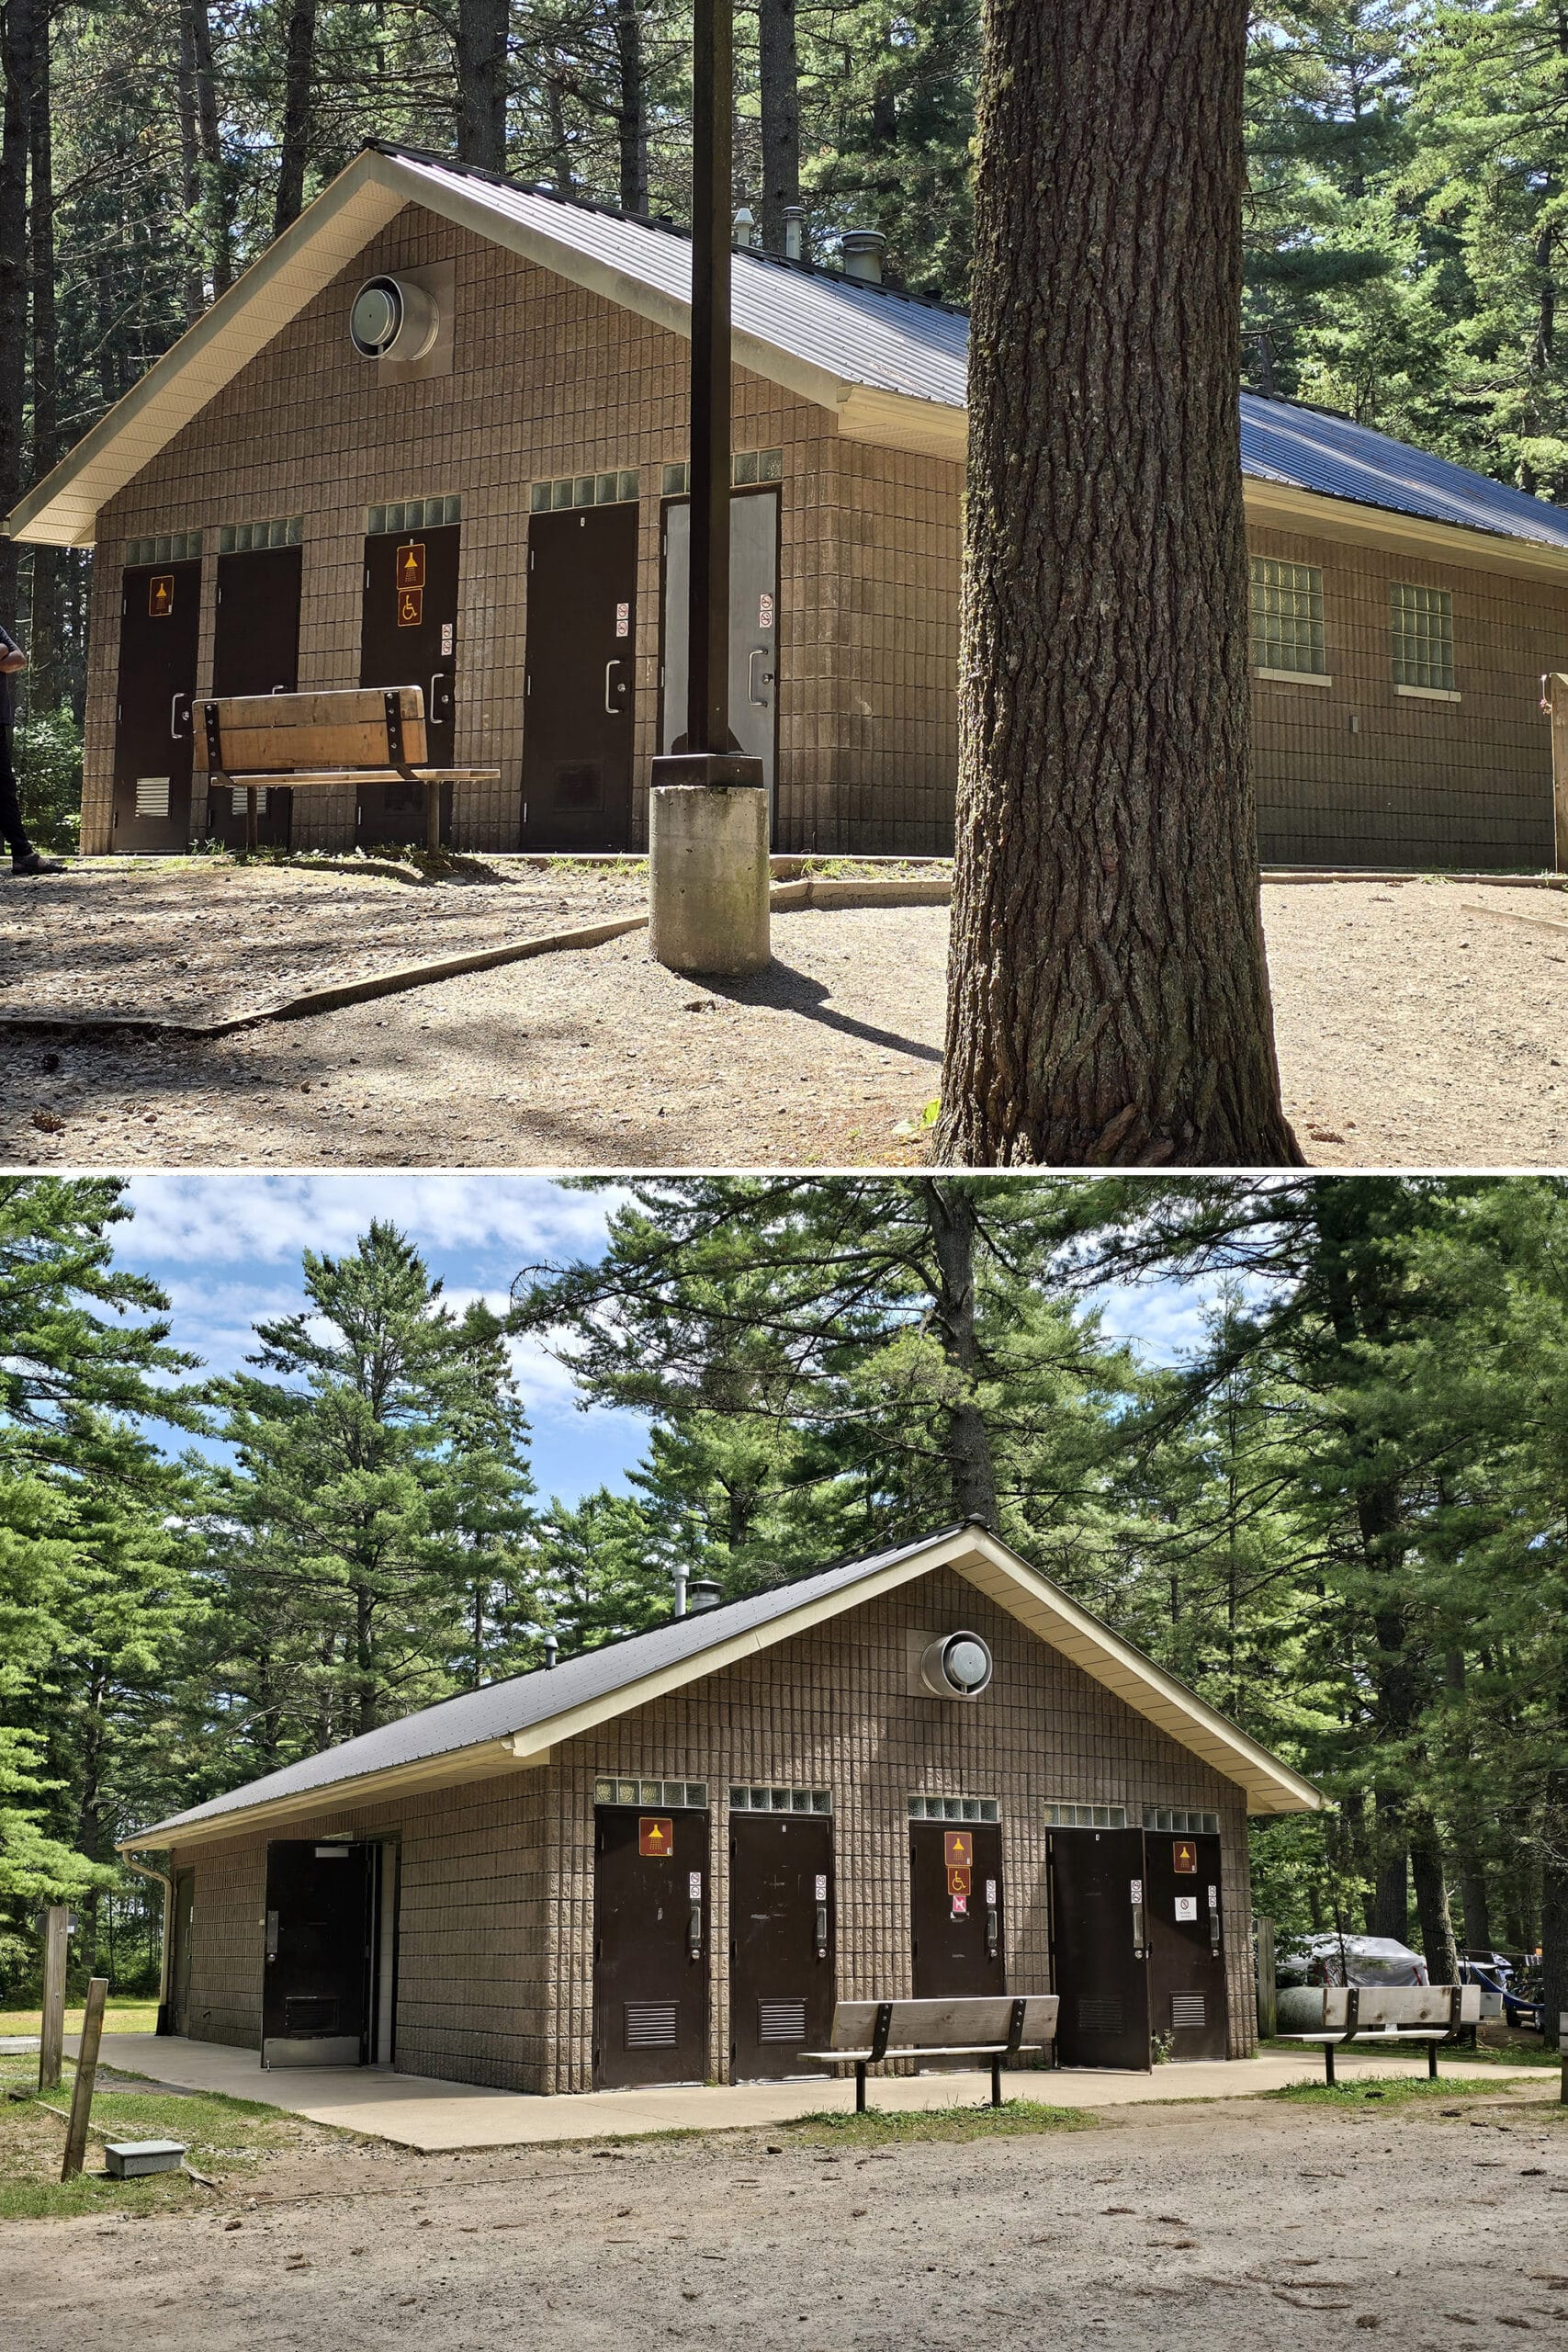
51,2037
251,819
1268,1985
1554,698
433,818
86,2074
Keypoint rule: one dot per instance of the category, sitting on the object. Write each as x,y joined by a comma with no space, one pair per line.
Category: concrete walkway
417,2112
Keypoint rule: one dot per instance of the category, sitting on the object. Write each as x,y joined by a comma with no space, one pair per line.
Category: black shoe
36,863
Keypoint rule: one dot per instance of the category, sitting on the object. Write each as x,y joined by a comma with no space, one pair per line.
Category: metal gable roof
511,1723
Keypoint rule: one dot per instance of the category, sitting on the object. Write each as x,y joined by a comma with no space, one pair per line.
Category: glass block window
776,1799
746,467
282,531
954,1809
619,488
674,1796
1422,622
412,514
1287,617
1085,1816
169,546
1185,1825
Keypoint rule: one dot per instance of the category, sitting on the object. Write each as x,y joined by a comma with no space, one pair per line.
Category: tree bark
633,116
779,91
1554,1893
482,83
43,641
1432,1900
1109,1000
216,221
294,145
194,291
18,50
951,1212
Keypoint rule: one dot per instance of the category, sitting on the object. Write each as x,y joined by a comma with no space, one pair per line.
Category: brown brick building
925,1772
250,497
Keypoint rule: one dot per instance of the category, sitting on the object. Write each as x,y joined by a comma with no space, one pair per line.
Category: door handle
440,701
1215,1921
993,1931
821,1931
759,653
1138,1929
694,1932
613,708
179,708
272,1934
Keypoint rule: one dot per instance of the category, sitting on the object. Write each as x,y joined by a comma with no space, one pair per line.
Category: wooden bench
1387,2014
351,736
993,2026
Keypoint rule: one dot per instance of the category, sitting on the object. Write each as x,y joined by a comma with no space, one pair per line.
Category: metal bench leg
1431,2062
996,2082
432,817
250,817
860,2090
1328,2063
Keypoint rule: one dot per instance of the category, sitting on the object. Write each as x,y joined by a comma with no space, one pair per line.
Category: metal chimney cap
703,1592
862,249
745,223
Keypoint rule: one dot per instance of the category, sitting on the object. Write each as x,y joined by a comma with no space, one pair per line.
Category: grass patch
1393,2090
896,2126
222,2137
119,2017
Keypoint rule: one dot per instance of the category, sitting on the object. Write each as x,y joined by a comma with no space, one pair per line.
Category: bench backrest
1378,2005
944,2025
344,729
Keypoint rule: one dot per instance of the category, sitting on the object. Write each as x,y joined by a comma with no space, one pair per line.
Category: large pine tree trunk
216,208
779,94
1108,1001
18,35
950,1215
294,145
1554,1893
44,643
482,83
633,119
1432,1900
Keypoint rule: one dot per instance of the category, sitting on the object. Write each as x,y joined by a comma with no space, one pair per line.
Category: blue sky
226,1249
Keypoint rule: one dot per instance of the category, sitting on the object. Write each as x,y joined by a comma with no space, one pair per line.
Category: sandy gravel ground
202,939
1219,2228
1413,1031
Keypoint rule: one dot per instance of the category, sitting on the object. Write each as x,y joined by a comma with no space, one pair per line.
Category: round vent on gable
957,1667
389,319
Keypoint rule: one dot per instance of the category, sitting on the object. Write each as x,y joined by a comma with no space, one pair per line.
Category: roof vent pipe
795,231
680,1592
706,1594
551,1648
745,226
863,251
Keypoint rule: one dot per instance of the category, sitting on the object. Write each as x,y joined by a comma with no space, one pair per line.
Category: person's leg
11,823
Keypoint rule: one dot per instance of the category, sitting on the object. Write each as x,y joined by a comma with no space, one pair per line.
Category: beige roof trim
1285,508
1269,1786
481,1761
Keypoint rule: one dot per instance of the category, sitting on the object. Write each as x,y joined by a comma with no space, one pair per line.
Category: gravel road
1420,1024
1219,2227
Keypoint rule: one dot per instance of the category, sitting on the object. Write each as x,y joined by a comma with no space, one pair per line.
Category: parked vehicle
1350,1960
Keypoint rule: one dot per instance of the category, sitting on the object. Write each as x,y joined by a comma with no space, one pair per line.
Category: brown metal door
319,1947
1099,1953
255,650
1187,1960
780,1942
650,1947
955,1889
409,637
182,1917
577,711
159,624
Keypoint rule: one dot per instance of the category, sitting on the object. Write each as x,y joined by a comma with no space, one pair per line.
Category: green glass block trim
1186,1825
776,1799
746,467
412,514
1085,1817
168,547
1287,617
672,1795
282,531
1422,621
620,487
925,1808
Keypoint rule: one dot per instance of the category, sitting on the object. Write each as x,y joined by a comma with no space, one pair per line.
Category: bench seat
350,736
1390,2006
1004,2027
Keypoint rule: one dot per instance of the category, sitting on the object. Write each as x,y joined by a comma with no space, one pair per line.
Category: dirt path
1413,1031
1220,2227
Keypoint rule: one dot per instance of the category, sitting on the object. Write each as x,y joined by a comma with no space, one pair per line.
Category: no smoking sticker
623,620
765,610
1186,1906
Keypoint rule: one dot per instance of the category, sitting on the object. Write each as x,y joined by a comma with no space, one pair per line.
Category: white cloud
214,1216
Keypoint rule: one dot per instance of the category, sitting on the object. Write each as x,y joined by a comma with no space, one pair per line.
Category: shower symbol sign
411,583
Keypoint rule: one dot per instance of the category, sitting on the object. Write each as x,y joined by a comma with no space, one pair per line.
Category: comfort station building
926,1773
438,435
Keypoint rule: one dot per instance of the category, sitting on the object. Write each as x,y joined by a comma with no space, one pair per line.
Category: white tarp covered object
1351,1960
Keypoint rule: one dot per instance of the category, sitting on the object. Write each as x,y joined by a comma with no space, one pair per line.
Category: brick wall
548,381
495,1981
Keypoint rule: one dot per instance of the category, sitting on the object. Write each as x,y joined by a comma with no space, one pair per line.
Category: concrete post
707,860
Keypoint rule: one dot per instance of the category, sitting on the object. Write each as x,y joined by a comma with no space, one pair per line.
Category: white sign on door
821,1888
448,634
623,620
765,610
694,1886
1186,1906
